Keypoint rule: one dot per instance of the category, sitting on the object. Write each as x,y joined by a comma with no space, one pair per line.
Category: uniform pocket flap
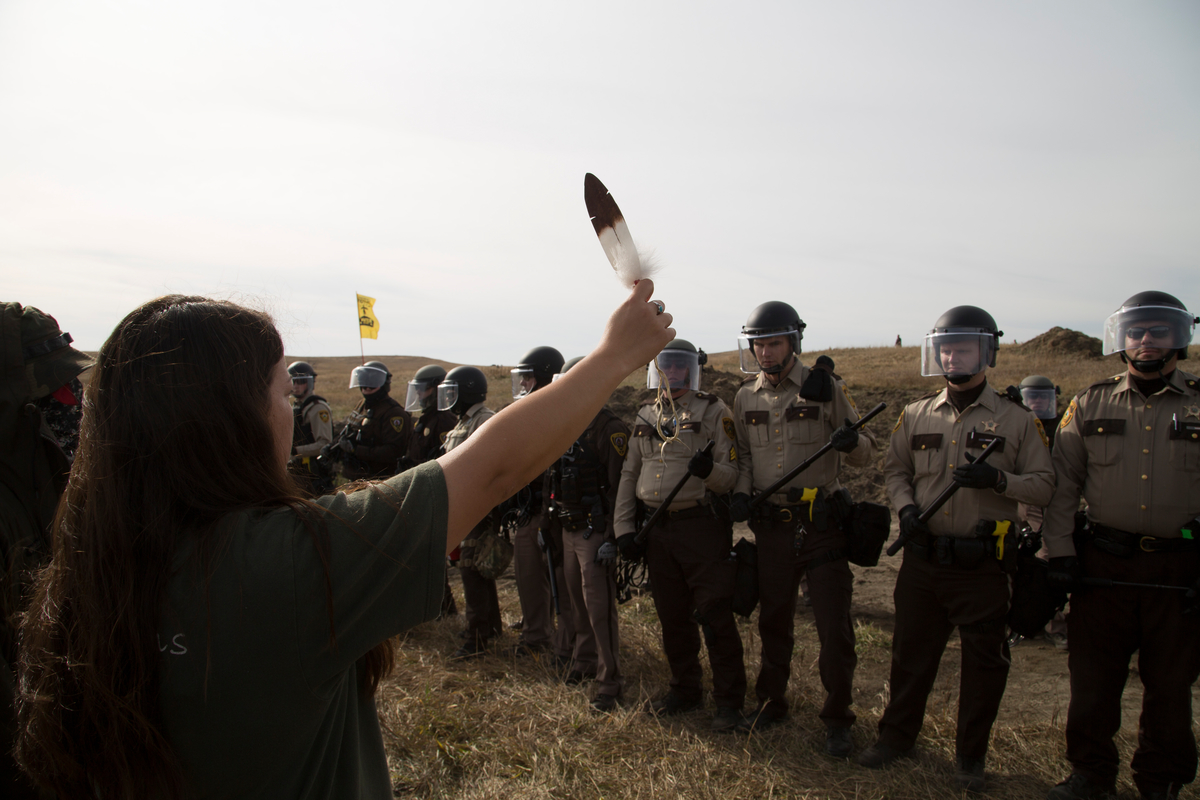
802,412
1103,427
692,425
981,440
643,430
1187,431
926,441
757,417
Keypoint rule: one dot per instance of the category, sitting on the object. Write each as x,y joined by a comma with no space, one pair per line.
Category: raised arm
522,440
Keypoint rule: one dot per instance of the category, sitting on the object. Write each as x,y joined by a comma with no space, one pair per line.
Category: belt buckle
788,511
1142,544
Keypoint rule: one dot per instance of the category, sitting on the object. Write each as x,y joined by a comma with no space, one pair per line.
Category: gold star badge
989,426
1192,411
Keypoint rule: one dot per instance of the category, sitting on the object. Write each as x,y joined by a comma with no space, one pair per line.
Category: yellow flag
368,324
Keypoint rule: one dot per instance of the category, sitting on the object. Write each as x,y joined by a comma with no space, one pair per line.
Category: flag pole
357,321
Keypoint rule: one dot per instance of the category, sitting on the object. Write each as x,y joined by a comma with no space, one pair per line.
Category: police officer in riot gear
956,569
383,426
312,431
428,437
580,495
687,552
537,368
782,415
462,393
1130,447
1040,395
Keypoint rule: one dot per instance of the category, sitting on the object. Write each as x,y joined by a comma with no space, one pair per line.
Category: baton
942,498
662,509
548,551
808,462
1107,583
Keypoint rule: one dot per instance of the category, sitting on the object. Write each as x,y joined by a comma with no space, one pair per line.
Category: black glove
976,475
701,464
911,524
844,439
739,507
347,446
1065,570
606,554
325,451
630,549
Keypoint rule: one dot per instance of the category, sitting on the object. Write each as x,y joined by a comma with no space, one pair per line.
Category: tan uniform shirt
1136,460
652,470
467,424
319,419
777,429
931,438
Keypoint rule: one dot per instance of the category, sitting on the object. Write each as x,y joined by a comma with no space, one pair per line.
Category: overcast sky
871,163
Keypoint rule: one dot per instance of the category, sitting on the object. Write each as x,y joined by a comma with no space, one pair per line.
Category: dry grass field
504,726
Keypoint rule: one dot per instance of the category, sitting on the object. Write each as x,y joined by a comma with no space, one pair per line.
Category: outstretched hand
636,332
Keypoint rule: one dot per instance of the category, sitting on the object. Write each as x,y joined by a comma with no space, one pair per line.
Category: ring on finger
660,306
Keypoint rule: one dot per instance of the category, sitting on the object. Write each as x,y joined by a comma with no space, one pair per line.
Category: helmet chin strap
778,368
1147,367
959,380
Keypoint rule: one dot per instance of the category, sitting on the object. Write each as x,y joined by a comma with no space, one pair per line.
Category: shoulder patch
846,391
727,424
1042,432
443,436
899,419
398,424
1069,415
324,416
620,443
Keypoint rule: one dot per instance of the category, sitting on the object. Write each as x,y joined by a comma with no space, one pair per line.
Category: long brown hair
175,436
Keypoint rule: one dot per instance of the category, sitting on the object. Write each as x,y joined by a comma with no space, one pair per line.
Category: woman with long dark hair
204,631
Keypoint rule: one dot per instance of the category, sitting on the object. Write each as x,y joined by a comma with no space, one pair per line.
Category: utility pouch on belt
745,582
868,530
1002,536
968,553
1035,598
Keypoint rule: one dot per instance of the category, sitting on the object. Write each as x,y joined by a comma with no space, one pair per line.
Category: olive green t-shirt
255,699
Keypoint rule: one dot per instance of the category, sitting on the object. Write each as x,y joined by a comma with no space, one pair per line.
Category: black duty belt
959,551
693,512
1125,544
785,513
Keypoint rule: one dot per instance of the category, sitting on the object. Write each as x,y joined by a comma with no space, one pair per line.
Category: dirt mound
626,400
1062,341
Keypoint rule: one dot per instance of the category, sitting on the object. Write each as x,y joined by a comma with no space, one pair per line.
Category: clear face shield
1042,402
367,377
766,351
956,354
523,382
422,395
681,368
302,385
1162,327
447,395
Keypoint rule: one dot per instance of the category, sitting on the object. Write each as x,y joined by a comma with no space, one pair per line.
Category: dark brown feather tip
601,206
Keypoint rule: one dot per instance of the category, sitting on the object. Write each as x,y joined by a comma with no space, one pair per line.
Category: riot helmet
769,320
537,368
462,388
371,375
961,345
566,366
303,378
680,362
1041,395
1149,319
422,389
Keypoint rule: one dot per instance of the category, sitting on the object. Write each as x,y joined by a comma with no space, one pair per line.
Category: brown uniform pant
482,601
1107,626
830,587
533,587
931,600
593,592
692,579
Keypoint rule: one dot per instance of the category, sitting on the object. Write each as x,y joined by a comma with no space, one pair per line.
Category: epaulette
927,396
750,379
706,396
1105,382
1192,383
649,401
1013,395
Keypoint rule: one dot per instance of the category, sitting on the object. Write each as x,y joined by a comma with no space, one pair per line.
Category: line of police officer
1128,446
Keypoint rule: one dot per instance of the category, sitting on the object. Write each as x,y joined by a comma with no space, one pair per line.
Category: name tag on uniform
981,440
1187,431
802,412
757,418
926,441
1103,427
